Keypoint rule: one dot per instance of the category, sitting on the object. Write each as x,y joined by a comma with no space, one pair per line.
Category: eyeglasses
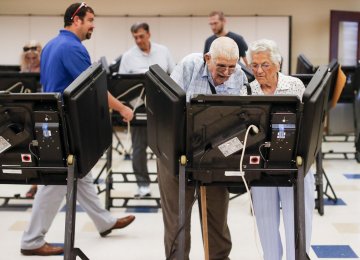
83,4
264,66
223,67
33,48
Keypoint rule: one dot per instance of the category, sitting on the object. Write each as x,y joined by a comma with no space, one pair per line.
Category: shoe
120,223
143,191
31,192
45,250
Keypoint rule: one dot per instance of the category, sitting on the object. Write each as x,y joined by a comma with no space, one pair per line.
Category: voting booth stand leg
182,214
299,210
108,179
70,253
319,178
319,201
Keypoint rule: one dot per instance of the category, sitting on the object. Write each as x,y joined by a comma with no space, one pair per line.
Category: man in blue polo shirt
63,59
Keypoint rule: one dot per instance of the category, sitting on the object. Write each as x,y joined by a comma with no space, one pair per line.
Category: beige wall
310,17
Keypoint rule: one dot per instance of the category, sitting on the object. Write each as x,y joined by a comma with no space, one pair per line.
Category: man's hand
126,113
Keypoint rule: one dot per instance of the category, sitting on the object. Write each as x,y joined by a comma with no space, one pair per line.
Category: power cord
33,143
242,174
138,99
18,84
267,145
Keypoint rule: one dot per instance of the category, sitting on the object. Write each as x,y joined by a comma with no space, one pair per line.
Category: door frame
335,18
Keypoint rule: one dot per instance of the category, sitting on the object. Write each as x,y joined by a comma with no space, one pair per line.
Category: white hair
224,47
264,45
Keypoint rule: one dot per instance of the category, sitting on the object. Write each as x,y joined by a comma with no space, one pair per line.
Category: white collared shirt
135,61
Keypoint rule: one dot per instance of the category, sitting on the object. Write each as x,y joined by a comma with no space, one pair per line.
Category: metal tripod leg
319,203
70,253
299,210
320,173
182,213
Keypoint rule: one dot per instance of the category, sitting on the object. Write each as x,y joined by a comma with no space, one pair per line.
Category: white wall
111,37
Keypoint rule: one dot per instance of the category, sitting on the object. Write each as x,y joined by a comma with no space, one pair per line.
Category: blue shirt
192,75
63,59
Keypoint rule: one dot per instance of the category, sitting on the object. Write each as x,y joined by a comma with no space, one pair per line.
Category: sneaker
143,191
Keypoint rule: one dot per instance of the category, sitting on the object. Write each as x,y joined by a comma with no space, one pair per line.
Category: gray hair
224,47
140,25
264,45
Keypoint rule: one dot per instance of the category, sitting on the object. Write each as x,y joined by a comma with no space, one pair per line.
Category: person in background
63,59
137,61
30,57
217,22
264,58
30,62
216,72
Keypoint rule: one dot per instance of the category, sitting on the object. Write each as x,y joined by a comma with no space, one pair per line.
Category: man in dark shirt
217,23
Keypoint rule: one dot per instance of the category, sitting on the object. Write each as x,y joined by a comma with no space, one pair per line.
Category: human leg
217,199
287,202
309,188
169,194
45,207
287,205
90,202
267,214
139,159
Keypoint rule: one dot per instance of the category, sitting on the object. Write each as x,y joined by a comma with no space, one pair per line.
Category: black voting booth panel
352,85
216,127
41,129
304,66
19,82
115,65
129,89
248,72
166,106
33,143
316,98
9,68
305,78
104,64
87,116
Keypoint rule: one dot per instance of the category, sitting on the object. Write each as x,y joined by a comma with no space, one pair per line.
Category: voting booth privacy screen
216,136
130,90
39,130
87,117
32,132
166,103
316,100
20,82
